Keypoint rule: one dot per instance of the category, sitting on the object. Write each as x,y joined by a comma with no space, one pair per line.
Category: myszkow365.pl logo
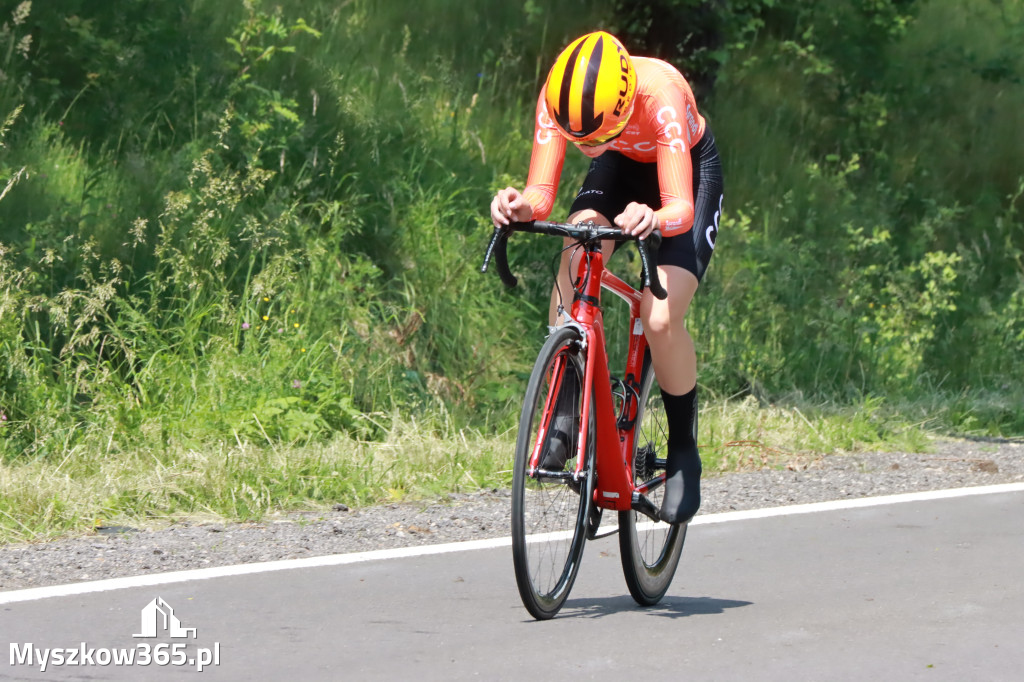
158,620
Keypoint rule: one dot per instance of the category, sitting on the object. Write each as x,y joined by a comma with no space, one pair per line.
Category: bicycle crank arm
604,532
643,505
546,476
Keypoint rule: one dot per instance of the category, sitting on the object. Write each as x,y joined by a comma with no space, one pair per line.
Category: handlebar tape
498,248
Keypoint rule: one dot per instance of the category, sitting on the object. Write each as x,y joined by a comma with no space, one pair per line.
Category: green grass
239,244
249,480
112,483
242,480
744,435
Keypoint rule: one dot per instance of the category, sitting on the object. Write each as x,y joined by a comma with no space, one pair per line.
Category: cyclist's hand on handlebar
509,206
638,220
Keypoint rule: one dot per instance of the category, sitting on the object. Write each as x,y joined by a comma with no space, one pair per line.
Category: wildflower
3,417
266,317
280,330
245,325
266,298
303,350
296,383
296,325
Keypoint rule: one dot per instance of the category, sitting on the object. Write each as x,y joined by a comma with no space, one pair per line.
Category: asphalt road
925,590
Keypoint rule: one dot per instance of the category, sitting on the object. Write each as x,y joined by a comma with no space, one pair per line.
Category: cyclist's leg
683,260
591,204
672,350
565,424
675,364
612,182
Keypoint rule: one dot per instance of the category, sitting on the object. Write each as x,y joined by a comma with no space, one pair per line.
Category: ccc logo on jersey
674,130
711,233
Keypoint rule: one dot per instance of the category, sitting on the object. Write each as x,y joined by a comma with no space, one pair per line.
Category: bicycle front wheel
649,550
550,506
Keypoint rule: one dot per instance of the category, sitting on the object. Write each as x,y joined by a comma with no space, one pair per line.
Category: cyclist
654,166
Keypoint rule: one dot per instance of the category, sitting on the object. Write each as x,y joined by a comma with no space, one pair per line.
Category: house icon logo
158,617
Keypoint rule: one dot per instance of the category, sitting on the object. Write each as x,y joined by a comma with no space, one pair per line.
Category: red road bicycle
616,459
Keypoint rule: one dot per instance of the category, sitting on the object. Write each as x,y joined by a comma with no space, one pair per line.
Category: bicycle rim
549,515
649,550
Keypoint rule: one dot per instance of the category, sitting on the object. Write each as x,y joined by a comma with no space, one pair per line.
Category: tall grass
241,480
276,250
249,232
306,262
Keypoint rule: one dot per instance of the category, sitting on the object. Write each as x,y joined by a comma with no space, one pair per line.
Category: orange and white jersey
664,126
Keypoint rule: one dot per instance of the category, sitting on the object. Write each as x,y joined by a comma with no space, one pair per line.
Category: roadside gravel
111,553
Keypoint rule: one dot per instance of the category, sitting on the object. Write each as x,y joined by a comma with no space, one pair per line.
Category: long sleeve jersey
664,126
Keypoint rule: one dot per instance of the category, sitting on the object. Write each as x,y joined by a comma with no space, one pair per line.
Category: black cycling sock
682,466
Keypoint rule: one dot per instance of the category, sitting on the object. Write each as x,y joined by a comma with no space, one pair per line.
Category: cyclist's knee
579,217
660,321
669,316
589,214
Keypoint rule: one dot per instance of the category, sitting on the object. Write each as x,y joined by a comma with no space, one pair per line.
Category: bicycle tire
649,550
549,517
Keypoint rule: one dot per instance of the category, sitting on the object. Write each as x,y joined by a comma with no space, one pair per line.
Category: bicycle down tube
614,487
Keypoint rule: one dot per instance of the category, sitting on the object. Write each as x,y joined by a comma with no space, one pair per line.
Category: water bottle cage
627,396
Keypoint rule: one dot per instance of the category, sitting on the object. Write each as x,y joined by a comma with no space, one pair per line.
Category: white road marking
36,593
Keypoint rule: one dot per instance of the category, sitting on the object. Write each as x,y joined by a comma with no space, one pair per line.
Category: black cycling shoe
564,425
682,486
682,462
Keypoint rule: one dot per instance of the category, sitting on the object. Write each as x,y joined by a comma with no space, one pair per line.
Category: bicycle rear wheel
649,550
550,508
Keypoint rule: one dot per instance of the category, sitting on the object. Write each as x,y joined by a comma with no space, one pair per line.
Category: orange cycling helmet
590,89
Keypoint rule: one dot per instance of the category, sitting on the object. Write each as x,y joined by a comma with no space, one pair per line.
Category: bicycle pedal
641,504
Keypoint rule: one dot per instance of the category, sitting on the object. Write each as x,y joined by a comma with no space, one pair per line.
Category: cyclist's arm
674,117
545,163
675,176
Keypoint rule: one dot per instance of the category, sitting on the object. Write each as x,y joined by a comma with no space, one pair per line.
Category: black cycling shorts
614,180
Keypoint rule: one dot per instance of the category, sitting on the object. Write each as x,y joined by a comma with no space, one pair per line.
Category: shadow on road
669,607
